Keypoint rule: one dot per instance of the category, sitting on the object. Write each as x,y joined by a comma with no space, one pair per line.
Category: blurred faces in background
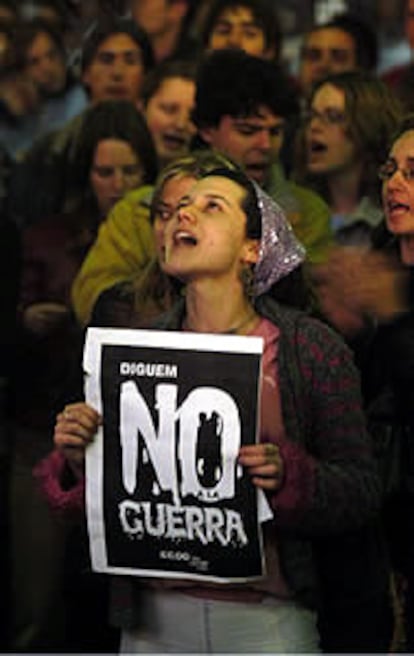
116,71
116,56
345,43
250,25
157,17
237,28
326,50
115,171
253,142
168,97
45,64
329,148
168,115
163,21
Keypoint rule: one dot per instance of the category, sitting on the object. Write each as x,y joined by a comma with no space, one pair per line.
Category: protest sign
165,494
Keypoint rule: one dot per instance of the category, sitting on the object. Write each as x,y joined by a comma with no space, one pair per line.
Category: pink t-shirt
271,430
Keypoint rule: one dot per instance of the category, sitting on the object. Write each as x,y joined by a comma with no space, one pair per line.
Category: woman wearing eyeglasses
390,376
375,287
347,128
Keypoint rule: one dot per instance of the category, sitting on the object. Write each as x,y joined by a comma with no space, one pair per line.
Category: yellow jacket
123,248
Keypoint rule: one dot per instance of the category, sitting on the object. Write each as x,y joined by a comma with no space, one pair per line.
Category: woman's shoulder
300,329
140,197
132,209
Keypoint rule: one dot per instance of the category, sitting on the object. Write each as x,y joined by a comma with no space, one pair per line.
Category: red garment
66,502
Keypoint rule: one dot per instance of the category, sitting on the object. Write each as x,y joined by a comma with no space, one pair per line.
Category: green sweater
307,212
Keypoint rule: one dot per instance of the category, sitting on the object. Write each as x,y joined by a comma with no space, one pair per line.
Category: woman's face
329,149
168,117
115,170
206,237
398,189
173,190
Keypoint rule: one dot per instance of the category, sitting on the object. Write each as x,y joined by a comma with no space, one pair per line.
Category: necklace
232,331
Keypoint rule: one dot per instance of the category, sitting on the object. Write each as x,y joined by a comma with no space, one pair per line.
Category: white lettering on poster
205,406
202,524
189,439
148,369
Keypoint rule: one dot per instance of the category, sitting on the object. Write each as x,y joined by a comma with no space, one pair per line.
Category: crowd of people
162,167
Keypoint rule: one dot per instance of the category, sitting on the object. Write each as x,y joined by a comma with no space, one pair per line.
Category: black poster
166,496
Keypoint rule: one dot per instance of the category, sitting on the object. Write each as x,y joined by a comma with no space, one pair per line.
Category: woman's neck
211,310
344,190
407,250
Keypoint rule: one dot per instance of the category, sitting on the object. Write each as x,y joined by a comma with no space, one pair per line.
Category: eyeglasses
329,116
390,167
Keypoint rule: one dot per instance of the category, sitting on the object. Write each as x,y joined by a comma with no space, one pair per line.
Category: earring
247,279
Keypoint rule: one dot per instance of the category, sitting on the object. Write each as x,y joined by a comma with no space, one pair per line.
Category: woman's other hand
75,429
264,464
42,318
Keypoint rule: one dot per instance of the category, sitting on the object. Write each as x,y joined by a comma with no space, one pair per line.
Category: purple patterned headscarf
280,252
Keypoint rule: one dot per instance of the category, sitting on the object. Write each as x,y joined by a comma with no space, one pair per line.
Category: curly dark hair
233,83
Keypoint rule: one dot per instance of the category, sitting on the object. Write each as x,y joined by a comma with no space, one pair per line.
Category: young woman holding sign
228,243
